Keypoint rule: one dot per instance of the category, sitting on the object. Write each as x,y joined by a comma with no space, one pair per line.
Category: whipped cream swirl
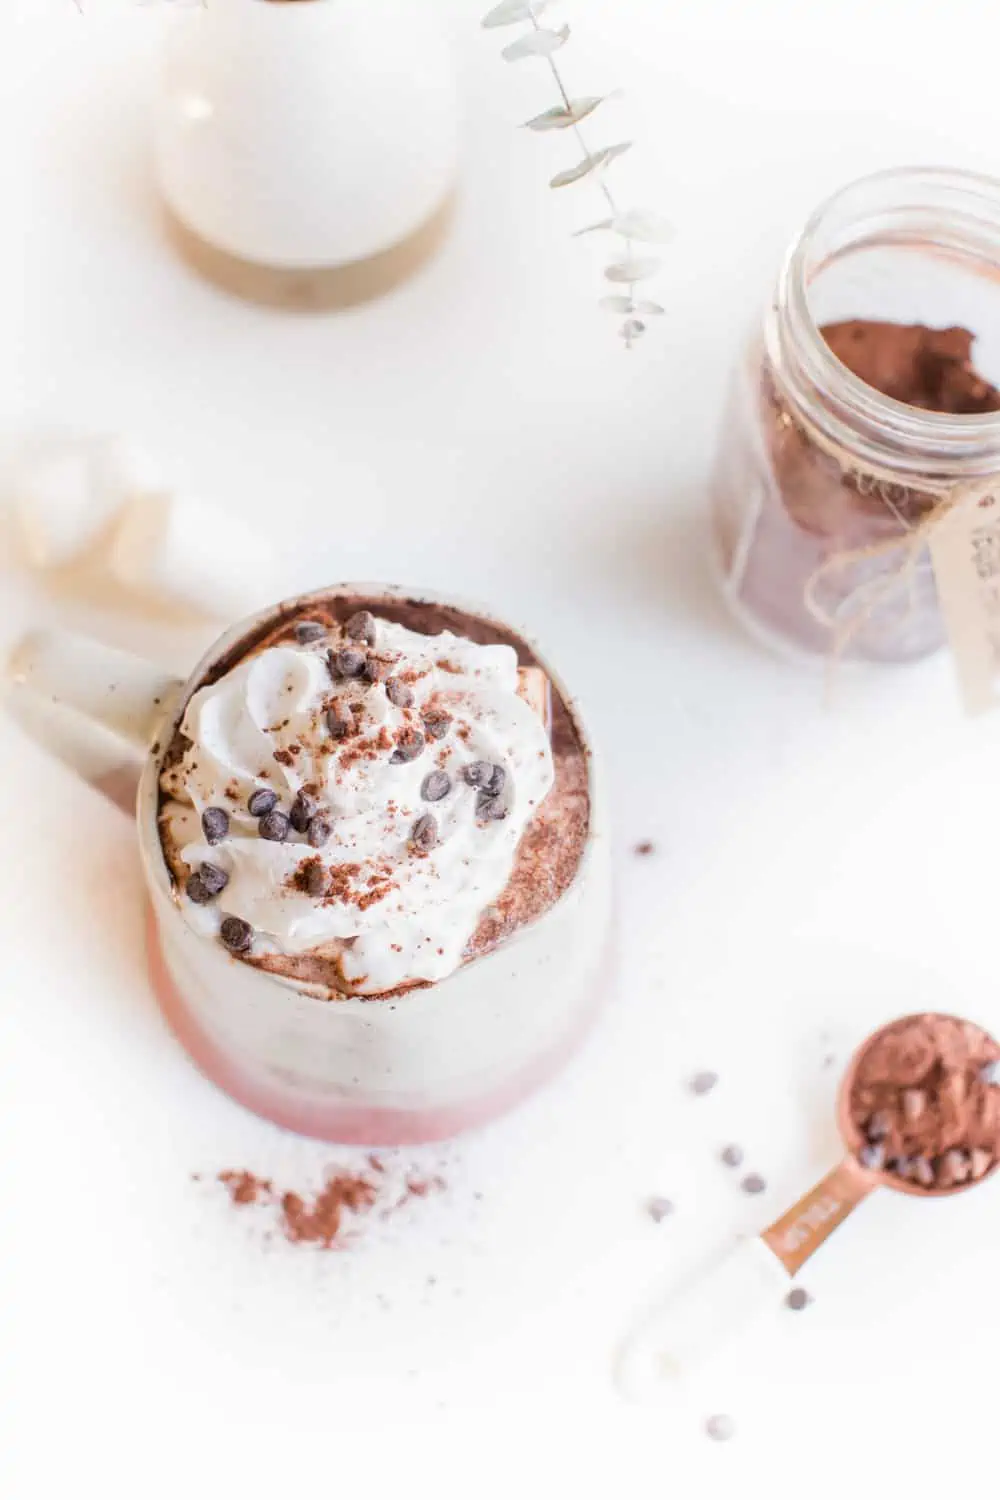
393,898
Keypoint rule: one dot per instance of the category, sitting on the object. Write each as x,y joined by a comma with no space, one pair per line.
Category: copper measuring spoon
703,1316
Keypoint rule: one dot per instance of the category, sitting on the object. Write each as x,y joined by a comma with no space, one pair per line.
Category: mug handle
96,708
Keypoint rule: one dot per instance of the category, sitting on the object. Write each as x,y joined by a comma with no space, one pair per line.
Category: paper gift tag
965,551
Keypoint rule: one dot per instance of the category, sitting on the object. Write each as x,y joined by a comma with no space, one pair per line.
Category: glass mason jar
822,479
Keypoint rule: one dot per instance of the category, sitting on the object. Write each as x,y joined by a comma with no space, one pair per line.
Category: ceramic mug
418,1067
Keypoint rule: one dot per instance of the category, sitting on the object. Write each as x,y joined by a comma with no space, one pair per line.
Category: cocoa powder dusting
322,1217
925,1102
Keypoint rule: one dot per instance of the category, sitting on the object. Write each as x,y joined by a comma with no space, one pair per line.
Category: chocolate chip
914,1103
409,745
261,801
346,663
873,1157
317,878
980,1162
375,670
479,773
659,1209
991,1072
878,1127
339,719
753,1182
497,782
797,1299
215,824
900,1166
319,831
304,809
424,832
213,879
732,1156
236,934
437,723
435,786
397,692
703,1083
361,627
720,1428
197,891
922,1171
309,630
953,1169
274,826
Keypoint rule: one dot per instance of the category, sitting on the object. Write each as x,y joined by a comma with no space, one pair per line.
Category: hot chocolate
368,793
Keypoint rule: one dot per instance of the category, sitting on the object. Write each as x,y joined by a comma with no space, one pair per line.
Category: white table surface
814,874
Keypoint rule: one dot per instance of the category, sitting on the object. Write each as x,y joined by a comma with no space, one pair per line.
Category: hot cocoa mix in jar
865,408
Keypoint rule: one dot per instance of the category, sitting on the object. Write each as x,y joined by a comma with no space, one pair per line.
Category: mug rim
158,872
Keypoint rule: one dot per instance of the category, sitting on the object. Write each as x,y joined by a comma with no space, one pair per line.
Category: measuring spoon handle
700,1318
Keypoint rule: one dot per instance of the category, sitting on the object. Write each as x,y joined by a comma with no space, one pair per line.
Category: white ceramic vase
307,149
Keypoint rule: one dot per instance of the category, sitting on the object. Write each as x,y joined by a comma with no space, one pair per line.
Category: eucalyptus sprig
634,227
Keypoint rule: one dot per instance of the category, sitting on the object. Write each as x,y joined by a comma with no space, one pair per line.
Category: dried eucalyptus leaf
539,43
627,271
650,309
592,228
561,118
618,304
595,162
638,224
509,12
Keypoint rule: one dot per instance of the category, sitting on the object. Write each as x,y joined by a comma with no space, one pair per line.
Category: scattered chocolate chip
361,627
980,1162
479,773
346,662
922,1171
409,745
437,723
490,809
309,630
317,878
900,1166
435,786
304,809
753,1182
720,1428
213,879
339,719
645,847
261,801
375,670
878,1127
914,1103
732,1156
274,826
215,824
424,832
236,934
397,692
704,1083
991,1072
797,1299
659,1209
319,831
872,1156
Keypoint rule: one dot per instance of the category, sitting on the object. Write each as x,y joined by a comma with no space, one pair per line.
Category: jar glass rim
967,207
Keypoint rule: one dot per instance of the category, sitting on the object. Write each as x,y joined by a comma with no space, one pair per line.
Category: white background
815,872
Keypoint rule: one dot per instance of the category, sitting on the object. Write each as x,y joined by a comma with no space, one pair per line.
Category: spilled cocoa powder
318,1218
925,1101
